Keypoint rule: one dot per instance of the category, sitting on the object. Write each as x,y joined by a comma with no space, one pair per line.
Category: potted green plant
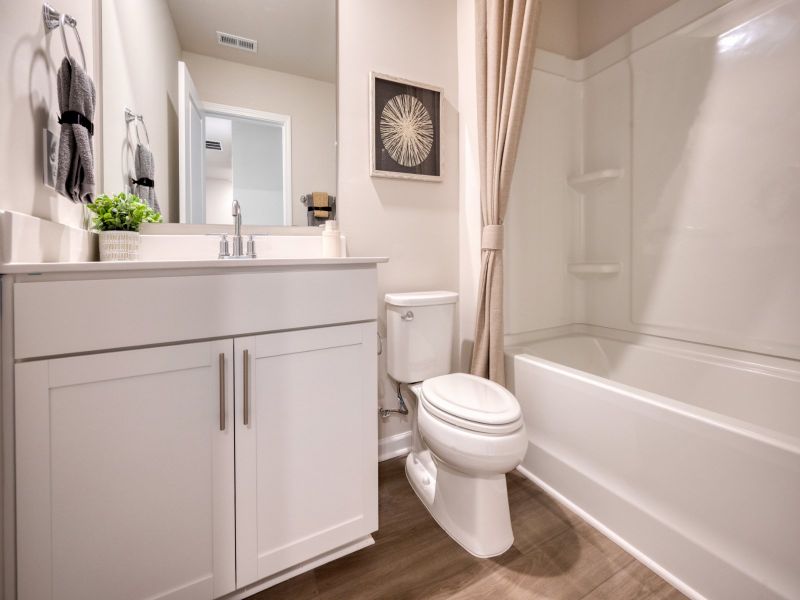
117,219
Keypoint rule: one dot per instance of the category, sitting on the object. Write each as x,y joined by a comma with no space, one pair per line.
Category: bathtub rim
757,433
715,351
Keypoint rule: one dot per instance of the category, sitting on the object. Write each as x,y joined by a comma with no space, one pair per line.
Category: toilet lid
471,398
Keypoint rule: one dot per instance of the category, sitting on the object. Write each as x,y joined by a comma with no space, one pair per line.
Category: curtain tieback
492,237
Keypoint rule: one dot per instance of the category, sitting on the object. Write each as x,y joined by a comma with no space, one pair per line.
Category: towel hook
54,20
131,116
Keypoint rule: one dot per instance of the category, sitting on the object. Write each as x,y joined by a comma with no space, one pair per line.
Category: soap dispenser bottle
331,240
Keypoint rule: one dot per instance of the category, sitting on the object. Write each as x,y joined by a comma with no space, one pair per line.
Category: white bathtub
687,455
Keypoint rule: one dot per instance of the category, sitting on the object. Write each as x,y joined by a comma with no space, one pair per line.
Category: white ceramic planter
119,245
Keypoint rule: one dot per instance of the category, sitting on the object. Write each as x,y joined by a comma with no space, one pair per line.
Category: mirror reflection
233,101
245,160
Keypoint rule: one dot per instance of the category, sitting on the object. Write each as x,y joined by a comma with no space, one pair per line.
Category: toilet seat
472,403
470,425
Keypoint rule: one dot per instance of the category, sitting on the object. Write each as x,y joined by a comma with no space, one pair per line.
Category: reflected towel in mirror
144,186
321,207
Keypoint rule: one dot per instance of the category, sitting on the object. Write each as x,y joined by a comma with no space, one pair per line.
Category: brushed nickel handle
222,391
246,384
409,316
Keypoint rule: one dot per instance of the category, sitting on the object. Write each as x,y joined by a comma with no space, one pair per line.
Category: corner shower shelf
593,269
588,181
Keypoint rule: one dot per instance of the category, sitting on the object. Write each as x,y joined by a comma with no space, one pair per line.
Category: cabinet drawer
63,317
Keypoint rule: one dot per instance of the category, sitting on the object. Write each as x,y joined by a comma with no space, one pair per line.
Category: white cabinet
125,475
186,469
306,461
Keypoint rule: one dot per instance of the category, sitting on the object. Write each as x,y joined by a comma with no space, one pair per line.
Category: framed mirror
208,102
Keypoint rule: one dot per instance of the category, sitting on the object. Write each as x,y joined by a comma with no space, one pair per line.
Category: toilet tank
419,334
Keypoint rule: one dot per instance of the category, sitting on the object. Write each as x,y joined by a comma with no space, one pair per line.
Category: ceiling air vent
235,41
213,145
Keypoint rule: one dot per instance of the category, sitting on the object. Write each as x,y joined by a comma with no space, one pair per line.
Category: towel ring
137,119
53,19
144,127
63,23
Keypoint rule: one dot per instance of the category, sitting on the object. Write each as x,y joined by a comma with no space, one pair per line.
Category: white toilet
467,431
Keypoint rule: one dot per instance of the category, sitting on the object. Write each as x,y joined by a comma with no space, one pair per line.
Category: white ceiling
294,36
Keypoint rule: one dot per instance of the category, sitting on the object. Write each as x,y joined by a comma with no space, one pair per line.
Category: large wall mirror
206,102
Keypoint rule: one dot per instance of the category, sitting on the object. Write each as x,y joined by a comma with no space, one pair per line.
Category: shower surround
656,198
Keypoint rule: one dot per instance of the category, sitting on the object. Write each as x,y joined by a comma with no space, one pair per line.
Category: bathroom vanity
186,429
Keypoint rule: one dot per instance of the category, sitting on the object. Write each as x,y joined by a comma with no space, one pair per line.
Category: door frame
285,123
187,94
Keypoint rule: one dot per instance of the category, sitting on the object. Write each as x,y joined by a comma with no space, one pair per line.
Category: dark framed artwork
405,129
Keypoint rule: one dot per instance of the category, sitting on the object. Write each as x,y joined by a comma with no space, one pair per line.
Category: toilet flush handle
409,316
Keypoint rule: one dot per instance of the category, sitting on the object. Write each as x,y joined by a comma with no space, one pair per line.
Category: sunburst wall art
405,129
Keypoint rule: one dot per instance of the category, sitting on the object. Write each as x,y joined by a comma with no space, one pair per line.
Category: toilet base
472,509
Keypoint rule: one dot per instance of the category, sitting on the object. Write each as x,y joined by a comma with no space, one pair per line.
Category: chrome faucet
236,212
237,249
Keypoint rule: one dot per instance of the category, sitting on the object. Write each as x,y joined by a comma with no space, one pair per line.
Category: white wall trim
394,446
671,19
614,537
557,64
605,57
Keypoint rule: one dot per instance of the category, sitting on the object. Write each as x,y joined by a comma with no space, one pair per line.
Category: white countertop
154,265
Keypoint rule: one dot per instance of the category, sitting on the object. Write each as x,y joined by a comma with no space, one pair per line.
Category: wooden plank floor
555,556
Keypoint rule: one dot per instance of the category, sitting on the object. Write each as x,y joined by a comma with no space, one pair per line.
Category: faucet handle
224,249
251,246
251,243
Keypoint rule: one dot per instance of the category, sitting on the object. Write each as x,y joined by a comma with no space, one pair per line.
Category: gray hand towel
75,175
145,169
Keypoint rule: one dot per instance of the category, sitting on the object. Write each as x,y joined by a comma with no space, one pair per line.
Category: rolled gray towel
143,185
76,94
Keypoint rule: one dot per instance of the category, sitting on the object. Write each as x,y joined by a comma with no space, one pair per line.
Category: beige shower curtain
505,40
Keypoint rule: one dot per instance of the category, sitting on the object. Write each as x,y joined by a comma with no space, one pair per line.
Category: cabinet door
125,481
306,459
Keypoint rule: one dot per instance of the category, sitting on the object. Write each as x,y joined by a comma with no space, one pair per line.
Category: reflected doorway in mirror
230,152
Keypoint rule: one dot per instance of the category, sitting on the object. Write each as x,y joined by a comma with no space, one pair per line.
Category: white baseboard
614,537
393,446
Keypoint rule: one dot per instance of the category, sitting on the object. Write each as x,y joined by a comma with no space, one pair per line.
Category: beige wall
414,223
310,103
469,195
576,28
558,27
143,77
28,103
602,21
